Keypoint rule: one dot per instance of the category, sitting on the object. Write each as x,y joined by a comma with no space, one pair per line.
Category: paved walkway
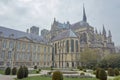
4,77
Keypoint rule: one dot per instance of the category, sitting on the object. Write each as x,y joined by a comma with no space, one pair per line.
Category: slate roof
79,24
61,25
66,34
6,32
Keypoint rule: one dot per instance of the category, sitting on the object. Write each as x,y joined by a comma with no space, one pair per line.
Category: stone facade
86,35
23,49
59,47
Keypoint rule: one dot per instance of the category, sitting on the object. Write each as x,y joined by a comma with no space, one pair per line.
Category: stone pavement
4,77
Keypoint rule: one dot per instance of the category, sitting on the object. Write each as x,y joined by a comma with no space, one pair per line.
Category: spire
54,19
109,34
84,15
96,31
104,31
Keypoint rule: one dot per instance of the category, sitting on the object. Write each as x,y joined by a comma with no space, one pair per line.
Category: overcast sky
22,14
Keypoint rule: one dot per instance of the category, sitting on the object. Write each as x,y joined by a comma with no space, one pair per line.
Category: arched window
67,46
72,45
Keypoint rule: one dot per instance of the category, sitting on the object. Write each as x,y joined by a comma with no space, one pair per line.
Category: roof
66,34
80,24
19,34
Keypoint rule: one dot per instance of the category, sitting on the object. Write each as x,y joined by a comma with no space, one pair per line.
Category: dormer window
11,35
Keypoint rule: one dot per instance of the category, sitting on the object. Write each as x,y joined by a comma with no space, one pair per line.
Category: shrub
102,75
20,73
94,72
84,70
80,68
116,71
37,71
82,74
49,73
110,72
57,75
7,71
14,71
35,67
97,72
25,70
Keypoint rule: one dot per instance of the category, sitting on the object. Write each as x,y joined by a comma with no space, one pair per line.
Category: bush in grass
82,74
102,74
57,75
20,73
25,70
84,70
97,72
116,71
7,71
51,67
80,68
37,71
110,72
35,67
49,73
14,71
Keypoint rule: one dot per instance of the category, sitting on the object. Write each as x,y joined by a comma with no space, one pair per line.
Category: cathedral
68,40
59,47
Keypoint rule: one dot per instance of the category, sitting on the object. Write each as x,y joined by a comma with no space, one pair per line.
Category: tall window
72,45
55,48
11,44
67,45
23,46
44,54
76,45
29,46
18,45
3,55
4,43
9,54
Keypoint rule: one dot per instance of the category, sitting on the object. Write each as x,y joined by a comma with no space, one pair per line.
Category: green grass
49,78
117,78
1,71
32,71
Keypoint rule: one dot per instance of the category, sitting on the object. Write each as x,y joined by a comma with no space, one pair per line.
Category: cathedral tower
84,15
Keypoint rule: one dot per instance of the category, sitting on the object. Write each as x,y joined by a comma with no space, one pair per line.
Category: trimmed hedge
22,72
116,71
35,67
97,72
110,72
7,71
102,75
14,71
57,75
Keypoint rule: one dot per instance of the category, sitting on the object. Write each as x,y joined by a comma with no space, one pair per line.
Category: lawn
49,78
1,71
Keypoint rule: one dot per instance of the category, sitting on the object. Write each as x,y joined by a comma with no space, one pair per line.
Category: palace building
59,47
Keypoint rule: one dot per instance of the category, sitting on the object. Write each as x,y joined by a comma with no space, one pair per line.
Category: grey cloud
25,13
